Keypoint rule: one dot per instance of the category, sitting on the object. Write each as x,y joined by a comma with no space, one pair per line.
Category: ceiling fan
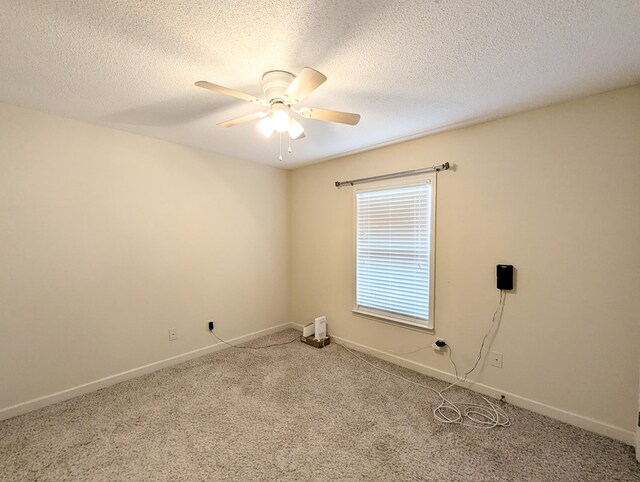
282,91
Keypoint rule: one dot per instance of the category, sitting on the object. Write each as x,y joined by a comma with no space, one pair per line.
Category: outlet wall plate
173,334
496,359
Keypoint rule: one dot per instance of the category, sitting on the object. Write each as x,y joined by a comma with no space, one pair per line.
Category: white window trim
394,318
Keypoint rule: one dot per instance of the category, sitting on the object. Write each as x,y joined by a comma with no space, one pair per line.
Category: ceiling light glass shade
265,126
280,116
295,129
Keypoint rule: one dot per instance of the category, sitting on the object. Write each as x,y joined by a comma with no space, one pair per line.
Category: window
394,251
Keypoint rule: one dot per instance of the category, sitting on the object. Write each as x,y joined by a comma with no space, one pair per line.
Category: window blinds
393,232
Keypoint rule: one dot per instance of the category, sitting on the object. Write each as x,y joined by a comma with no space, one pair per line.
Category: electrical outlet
173,334
439,344
496,359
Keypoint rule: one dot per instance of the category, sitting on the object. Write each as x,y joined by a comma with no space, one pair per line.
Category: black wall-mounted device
504,273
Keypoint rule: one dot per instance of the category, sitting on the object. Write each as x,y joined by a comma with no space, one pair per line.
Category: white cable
254,347
462,413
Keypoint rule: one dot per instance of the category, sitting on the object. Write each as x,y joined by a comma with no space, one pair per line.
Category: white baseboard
62,395
587,423
581,421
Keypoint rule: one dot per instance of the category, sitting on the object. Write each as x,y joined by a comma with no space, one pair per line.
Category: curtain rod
413,172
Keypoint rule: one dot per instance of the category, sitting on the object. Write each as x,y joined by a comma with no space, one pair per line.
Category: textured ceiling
408,67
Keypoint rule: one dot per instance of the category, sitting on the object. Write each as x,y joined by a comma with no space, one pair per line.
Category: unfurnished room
320,240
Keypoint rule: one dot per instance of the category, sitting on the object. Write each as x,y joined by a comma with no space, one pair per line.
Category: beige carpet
257,415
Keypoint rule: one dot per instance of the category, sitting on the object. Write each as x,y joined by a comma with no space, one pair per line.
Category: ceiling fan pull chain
280,157
289,150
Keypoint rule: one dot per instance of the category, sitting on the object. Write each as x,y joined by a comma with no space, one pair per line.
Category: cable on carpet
254,347
461,413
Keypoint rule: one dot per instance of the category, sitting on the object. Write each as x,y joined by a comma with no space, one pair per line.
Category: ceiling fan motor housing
275,82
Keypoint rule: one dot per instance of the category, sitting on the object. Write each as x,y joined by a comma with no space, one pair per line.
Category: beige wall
555,192
109,239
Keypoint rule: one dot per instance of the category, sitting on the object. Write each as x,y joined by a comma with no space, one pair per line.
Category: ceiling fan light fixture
280,117
265,126
295,129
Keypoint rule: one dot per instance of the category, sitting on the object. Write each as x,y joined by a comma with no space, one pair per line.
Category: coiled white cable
462,413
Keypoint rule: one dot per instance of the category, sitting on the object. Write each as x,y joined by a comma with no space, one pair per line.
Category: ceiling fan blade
306,82
329,115
233,93
242,120
301,136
